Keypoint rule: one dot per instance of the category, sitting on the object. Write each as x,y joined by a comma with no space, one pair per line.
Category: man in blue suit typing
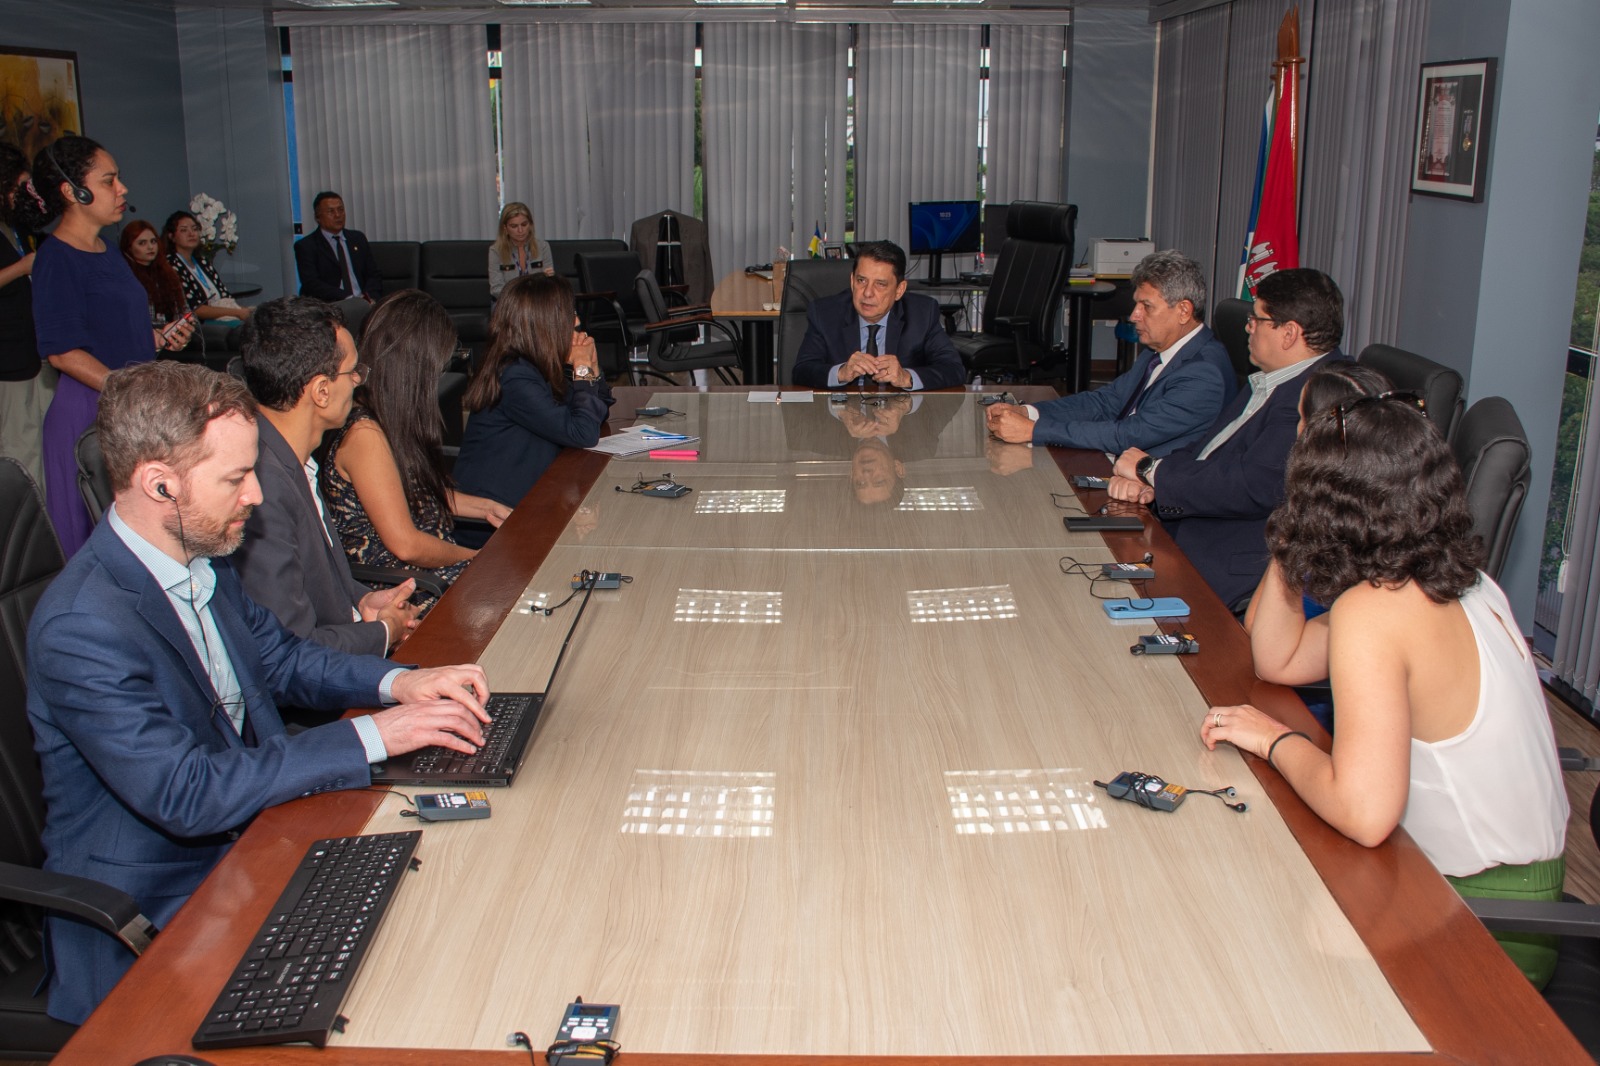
1165,400
1215,495
152,677
877,333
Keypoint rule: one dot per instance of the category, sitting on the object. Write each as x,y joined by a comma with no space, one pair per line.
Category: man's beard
206,538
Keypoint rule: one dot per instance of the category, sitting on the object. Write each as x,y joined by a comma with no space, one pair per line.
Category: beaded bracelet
1281,738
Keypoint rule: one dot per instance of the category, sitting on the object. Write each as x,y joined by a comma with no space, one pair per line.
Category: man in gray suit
300,364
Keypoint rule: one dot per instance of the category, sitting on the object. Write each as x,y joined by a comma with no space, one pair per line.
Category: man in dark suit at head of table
336,264
876,332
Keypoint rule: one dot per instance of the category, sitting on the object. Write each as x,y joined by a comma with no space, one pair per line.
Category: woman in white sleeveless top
1442,727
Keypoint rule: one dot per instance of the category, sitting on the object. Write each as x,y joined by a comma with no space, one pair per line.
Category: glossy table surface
818,785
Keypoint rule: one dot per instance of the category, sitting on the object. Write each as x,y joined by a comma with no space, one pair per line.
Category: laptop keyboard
505,715
292,980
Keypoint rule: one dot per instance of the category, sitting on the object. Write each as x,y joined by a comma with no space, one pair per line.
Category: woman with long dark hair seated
1443,728
524,407
383,475
147,258
207,296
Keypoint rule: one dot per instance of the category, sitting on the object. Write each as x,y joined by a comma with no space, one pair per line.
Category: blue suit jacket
319,271
1176,410
145,785
1216,508
507,448
914,334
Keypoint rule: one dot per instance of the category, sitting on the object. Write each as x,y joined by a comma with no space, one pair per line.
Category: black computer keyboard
292,980
505,716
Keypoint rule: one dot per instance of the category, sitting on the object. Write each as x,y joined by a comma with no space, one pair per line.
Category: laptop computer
512,718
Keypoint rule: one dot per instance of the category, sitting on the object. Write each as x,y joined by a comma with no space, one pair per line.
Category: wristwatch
1144,467
581,371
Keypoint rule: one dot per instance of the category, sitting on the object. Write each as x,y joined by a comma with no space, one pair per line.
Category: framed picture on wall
39,97
1451,156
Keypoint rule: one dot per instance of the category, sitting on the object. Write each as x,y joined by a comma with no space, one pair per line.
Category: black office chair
30,558
610,310
1492,450
455,273
94,484
677,336
805,280
1438,385
565,254
399,264
1229,322
1023,304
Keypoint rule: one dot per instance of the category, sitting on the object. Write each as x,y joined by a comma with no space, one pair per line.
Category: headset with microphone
79,193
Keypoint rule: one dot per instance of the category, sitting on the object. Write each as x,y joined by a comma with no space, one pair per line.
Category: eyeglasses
1251,320
1411,399
358,373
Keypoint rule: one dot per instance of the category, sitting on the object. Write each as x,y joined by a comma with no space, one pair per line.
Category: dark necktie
1138,393
871,349
344,264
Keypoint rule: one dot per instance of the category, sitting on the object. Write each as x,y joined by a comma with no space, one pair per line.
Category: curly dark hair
64,159
1374,497
1340,381
284,344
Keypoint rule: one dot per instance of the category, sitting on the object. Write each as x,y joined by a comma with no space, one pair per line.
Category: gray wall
1488,287
238,147
1108,153
128,73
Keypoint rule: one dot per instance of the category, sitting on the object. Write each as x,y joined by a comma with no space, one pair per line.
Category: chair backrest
675,350
456,273
399,263
565,253
1492,450
94,483
30,558
613,272
452,389
1229,322
803,281
1034,262
1439,386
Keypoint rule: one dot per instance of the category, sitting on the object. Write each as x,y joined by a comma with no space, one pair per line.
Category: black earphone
161,490
79,193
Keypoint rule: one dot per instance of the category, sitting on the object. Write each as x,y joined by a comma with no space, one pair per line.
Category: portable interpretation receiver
1166,644
1148,790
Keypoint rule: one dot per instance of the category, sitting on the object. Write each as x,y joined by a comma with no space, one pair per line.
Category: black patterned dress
360,538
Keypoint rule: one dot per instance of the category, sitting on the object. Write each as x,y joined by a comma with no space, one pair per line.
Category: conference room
819,782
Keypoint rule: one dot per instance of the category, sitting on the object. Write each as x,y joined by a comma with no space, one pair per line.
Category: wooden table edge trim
1507,1030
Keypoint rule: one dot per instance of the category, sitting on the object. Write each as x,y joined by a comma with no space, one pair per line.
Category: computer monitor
940,226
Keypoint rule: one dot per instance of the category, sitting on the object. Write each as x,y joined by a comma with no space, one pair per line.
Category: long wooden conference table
817,787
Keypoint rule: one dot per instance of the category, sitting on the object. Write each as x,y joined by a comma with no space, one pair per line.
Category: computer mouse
174,1060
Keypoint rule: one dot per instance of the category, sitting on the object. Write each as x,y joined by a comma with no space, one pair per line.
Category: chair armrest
475,524
1537,916
102,906
390,576
677,322
1573,759
608,297
1020,323
697,309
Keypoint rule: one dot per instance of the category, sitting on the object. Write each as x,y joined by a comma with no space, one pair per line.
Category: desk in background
745,298
826,829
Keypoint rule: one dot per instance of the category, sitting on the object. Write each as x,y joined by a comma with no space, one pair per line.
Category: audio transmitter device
1146,790
601,581
452,806
1128,571
1089,481
586,1023
1167,644
670,490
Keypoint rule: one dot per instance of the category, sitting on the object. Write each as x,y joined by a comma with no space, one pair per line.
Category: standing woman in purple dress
90,313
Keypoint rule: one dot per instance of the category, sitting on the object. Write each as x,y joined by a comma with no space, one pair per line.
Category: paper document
638,439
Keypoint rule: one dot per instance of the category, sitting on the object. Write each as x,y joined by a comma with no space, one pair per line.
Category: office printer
1114,257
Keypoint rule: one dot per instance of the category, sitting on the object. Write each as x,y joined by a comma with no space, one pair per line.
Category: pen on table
668,453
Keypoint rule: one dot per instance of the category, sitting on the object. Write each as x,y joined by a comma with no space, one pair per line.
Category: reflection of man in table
878,434
876,332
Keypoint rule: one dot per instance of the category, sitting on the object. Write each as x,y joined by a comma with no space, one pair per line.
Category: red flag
1276,243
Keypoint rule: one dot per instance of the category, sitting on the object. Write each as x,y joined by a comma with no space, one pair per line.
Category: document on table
638,439
787,396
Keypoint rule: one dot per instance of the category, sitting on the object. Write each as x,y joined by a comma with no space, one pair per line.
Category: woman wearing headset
89,311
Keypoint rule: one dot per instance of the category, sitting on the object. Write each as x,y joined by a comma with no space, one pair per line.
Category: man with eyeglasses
1214,496
1166,399
875,332
300,364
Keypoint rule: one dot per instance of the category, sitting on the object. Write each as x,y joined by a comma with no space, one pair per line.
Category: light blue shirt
861,346
189,590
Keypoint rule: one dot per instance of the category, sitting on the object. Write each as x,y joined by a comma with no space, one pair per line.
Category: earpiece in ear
161,490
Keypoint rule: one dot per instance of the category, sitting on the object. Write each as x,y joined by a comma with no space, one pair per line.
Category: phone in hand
171,328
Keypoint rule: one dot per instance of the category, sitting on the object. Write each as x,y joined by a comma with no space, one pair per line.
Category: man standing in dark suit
300,364
152,677
335,263
1214,497
875,332
1166,399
